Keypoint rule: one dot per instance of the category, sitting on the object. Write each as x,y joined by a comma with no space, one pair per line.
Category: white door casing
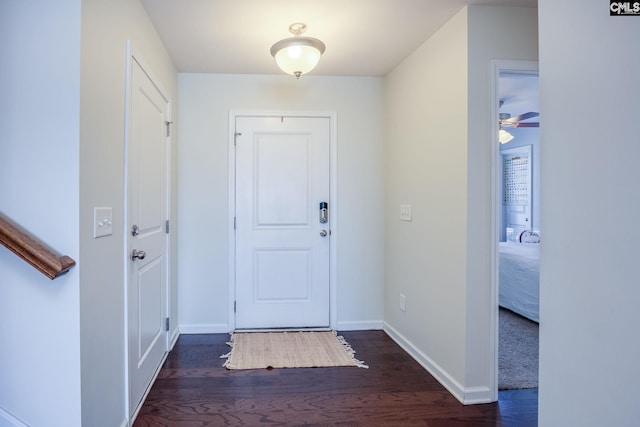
282,260
147,213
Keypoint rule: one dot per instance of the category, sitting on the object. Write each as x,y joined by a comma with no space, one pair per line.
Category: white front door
282,247
147,239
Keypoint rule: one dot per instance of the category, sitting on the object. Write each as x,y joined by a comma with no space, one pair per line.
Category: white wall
39,110
589,286
426,166
439,151
205,101
106,27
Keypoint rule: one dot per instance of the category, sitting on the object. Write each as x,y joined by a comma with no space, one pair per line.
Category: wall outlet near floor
403,302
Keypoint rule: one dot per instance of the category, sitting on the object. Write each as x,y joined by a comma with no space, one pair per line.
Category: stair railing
32,250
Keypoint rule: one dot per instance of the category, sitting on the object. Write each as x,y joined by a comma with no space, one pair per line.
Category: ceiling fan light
504,136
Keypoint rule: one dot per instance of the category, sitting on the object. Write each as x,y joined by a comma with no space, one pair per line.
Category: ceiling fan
506,120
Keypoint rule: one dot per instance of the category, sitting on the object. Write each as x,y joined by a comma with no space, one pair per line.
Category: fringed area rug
261,350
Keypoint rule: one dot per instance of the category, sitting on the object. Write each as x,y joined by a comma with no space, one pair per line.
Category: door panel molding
333,203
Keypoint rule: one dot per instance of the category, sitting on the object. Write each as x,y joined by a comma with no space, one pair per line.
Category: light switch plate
102,222
405,212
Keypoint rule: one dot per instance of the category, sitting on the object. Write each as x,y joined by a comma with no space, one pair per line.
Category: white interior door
282,247
147,238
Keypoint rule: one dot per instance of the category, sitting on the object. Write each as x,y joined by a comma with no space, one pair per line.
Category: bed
519,278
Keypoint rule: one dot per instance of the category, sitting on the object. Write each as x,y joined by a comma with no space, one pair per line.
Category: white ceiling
363,37
520,93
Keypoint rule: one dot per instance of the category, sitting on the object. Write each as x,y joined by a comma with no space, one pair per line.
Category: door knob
324,233
137,255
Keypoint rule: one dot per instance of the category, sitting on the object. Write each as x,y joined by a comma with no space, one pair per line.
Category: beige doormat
261,350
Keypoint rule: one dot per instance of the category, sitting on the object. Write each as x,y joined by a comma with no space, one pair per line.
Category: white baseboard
477,395
174,338
205,328
466,396
8,420
366,325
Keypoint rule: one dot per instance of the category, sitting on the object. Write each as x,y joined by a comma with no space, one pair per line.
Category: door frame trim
496,67
333,202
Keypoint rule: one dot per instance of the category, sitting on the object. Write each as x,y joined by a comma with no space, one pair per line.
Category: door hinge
234,222
235,138
167,324
235,304
168,128
166,226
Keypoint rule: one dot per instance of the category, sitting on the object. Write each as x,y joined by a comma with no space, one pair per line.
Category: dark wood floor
193,389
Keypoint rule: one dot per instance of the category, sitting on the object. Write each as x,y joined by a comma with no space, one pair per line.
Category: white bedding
520,278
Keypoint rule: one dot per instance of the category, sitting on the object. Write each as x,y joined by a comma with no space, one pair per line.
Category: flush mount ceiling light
297,55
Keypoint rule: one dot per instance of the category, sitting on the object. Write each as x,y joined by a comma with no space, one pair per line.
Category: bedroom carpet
517,352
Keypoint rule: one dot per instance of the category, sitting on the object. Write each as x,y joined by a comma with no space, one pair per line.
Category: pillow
513,234
529,236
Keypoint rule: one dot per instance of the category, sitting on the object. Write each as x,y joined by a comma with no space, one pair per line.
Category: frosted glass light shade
504,136
297,55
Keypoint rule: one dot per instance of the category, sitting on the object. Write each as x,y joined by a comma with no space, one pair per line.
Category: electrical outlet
403,303
405,212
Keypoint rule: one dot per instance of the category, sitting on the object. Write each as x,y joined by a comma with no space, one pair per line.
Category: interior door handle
324,233
137,255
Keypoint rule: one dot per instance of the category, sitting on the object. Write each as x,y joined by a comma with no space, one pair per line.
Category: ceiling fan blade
527,125
525,116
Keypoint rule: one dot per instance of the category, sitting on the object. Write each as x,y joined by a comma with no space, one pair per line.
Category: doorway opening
516,223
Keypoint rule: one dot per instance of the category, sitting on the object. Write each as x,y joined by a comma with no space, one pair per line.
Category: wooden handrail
33,251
